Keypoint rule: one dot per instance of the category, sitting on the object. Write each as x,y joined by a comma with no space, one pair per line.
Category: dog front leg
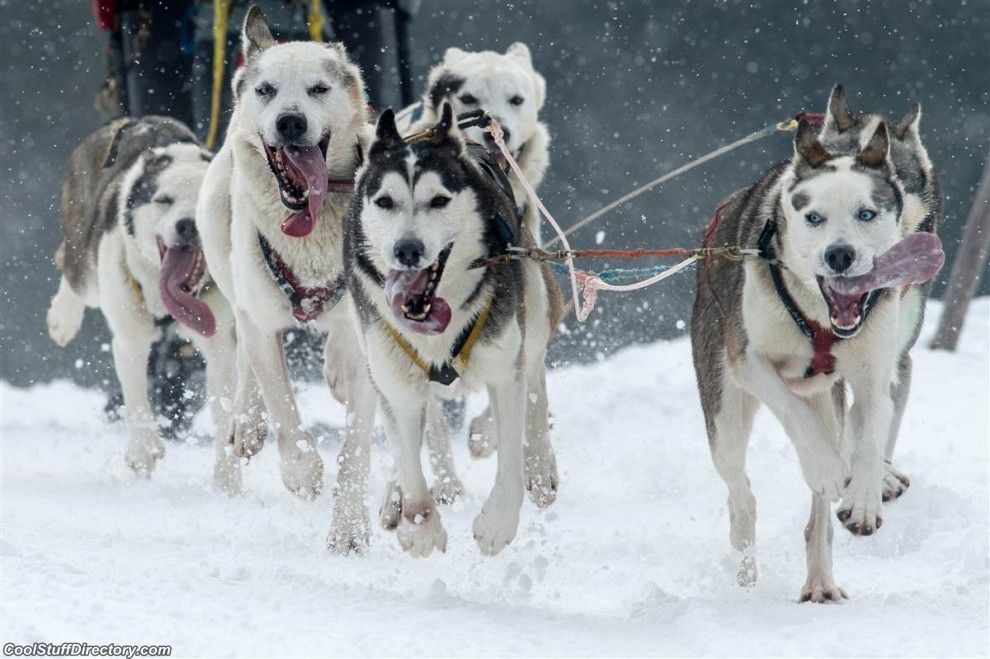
815,443
540,469
870,417
496,525
301,466
820,585
144,446
420,530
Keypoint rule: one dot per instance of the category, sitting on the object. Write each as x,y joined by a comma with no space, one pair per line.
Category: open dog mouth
915,259
301,175
413,300
183,268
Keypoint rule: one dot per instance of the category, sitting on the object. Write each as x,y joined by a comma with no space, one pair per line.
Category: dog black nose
840,257
506,134
186,229
291,127
408,252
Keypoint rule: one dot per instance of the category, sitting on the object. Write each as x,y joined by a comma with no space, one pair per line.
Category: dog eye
440,201
318,89
866,215
516,100
814,219
467,99
385,202
265,90
164,200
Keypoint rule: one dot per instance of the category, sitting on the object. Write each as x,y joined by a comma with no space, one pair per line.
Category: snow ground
633,559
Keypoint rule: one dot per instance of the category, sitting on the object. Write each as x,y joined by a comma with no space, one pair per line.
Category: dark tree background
634,89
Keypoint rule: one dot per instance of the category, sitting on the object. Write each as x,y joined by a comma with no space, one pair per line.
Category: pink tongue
307,168
915,259
404,285
177,266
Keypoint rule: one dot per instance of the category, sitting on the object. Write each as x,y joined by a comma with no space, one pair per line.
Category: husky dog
131,249
271,217
843,133
423,220
510,89
822,308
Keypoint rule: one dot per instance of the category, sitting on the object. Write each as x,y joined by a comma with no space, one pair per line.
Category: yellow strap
315,20
221,17
462,358
136,286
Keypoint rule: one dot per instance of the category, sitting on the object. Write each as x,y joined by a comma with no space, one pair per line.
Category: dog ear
909,124
337,47
540,87
386,130
876,153
520,51
255,37
453,55
807,147
839,117
205,155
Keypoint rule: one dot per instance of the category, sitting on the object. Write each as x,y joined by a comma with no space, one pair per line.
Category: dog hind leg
896,483
541,479
447,488
482,438
65,314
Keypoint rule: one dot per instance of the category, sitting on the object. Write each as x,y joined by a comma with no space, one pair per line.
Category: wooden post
967,268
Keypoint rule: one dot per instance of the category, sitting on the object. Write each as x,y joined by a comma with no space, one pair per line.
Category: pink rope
578,278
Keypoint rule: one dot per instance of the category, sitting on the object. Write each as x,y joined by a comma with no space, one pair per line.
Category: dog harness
308,302
822,338
346,185
448,372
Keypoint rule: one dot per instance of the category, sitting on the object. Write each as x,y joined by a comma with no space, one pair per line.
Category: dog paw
496,525
349,532
64,321
247,435
143,453
391,511
482,440
227,475
541,479
302,473
859,511
821,590
825,472
448,491
748,573
423,532
895,483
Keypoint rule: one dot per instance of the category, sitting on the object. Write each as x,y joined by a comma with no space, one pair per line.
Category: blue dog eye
814,219
866,215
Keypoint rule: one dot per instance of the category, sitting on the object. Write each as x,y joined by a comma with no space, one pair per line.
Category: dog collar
346,185
308,302
448,372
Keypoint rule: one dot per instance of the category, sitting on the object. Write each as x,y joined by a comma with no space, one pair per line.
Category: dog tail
65,314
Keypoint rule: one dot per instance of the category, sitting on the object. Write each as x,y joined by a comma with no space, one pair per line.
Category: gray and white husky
424,219
131,249
271,216
829,304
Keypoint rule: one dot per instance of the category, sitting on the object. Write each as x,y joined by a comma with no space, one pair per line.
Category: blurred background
633,89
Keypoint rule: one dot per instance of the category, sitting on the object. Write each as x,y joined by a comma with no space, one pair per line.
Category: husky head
506,85
305,103
845,132
840,213
420,211
158,213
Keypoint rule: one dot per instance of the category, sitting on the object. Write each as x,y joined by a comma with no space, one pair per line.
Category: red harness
308,302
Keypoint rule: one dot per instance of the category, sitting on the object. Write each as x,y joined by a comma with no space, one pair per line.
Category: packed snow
633,559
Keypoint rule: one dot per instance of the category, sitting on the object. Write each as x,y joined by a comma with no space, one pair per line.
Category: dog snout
409,252
840,258
185,229
291,127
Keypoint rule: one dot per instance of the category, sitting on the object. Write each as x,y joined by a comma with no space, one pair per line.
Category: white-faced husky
271,216
131,249
512,92
425,218
823,307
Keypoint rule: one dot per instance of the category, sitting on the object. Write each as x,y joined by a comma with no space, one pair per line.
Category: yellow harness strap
221,17
461,359
315,21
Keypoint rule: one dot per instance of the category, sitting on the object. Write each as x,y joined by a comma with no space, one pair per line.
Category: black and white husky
271,216
131,249
424,218
829,304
